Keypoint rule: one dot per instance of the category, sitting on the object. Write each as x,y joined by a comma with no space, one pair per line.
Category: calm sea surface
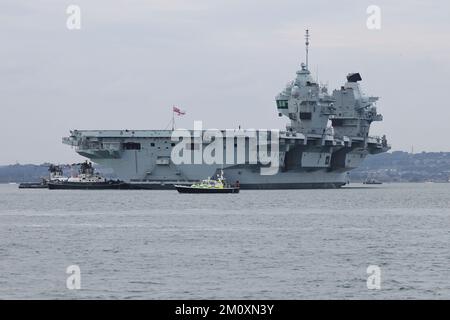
293,244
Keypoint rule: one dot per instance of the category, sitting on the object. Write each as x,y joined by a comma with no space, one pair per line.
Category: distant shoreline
397,166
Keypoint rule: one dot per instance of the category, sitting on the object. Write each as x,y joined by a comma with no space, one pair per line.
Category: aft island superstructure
327,136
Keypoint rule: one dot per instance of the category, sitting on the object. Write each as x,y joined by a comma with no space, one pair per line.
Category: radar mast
307,47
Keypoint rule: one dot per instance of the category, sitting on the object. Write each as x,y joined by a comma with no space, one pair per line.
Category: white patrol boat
209,186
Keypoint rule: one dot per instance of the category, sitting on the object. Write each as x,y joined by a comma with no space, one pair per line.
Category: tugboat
87,179
209,186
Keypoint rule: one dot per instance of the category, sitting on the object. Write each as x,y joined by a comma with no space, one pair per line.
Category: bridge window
282,104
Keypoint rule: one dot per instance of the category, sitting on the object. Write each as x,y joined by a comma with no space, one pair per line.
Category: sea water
273,244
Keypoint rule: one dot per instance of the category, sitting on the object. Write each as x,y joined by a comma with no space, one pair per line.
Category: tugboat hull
110,185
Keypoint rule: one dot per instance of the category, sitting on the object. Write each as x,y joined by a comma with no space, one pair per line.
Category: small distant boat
209,186
372,181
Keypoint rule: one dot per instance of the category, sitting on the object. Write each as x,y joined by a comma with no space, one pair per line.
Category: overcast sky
221,61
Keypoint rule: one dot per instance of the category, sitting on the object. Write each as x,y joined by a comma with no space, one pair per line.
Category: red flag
178,111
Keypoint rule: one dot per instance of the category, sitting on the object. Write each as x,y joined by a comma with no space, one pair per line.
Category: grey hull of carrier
327,136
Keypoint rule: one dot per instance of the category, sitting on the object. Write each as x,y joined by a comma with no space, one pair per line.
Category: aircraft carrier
327,136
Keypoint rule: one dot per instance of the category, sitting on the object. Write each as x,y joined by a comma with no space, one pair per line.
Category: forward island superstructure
328,135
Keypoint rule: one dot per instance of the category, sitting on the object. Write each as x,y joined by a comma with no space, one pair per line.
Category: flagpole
173,119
